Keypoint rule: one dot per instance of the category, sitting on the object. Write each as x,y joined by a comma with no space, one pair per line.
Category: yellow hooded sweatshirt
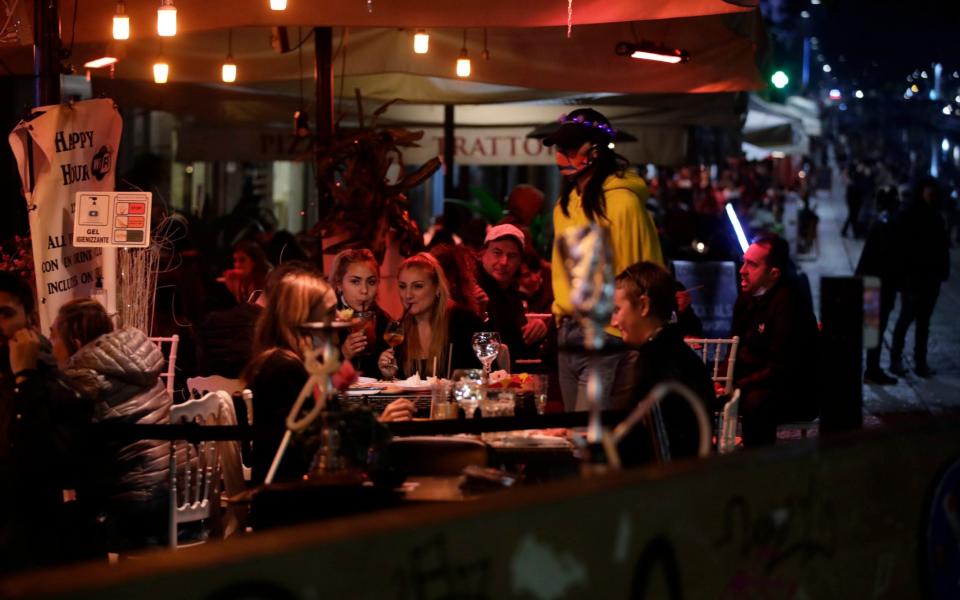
633,235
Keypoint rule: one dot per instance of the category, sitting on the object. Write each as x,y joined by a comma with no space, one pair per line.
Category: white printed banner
62,150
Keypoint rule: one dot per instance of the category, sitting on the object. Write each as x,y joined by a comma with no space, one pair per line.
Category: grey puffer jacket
120,372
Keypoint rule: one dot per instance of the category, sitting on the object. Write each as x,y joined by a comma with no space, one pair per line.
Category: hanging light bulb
278,4
167,19
463,61
161,70
463,64
421,42
229,70
121,22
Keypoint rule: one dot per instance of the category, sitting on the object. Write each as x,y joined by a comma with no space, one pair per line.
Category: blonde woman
432,324
276,374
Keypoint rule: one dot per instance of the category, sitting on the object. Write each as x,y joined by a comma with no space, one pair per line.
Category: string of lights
167,28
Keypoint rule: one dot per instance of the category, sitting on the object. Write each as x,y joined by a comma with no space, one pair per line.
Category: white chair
169,375
727,432
720,356
199,386
195,468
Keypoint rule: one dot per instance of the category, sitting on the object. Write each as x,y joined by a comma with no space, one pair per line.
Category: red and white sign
120,219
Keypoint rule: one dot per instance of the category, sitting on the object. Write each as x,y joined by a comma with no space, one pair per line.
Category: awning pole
46,49
323,76
448,146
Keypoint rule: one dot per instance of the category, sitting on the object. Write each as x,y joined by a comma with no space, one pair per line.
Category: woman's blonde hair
439,317
297,293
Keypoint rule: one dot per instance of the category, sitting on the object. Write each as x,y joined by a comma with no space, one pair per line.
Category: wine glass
486,345
393,334
467,389
540,385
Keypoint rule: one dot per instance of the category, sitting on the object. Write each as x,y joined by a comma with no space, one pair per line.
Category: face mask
572,168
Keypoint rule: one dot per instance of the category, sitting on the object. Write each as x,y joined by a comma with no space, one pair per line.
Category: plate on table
411,386
366,380
365,391
533,441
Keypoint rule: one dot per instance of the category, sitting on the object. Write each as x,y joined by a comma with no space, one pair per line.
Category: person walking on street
854,200
921,238
881,259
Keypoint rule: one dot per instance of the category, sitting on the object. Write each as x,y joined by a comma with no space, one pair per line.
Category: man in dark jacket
880,258
644,301
921,239
776,361
499,263
42,422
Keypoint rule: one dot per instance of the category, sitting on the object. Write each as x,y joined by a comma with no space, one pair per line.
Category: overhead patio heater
650,51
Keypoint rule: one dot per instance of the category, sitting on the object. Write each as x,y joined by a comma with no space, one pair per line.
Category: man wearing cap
597,188
499,264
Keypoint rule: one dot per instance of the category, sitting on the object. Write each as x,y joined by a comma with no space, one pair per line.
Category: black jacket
666,357
43,451
778,350
506,314
880,256
921,239
276,383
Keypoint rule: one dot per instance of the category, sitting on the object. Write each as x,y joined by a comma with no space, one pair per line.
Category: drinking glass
393,334
486,345
366,321
540,385
467,389
439,400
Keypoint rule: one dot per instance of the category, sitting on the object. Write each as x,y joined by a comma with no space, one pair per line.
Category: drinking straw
449,358
434,365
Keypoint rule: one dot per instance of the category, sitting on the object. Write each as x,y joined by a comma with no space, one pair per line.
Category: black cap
581,126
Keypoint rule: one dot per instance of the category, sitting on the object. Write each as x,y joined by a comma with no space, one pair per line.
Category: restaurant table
289,503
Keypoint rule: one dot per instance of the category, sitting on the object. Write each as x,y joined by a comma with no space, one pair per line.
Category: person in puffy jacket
119,371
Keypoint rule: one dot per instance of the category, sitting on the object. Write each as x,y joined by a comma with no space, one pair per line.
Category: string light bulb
421,42
278,4
121,22
161,71
463,61
167,19
229,70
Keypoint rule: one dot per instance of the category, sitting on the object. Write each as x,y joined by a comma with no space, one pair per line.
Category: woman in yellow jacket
597,188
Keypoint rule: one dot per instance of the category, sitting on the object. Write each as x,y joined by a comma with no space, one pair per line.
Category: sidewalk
912,396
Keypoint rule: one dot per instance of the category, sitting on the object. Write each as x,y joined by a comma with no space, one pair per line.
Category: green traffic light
779,80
